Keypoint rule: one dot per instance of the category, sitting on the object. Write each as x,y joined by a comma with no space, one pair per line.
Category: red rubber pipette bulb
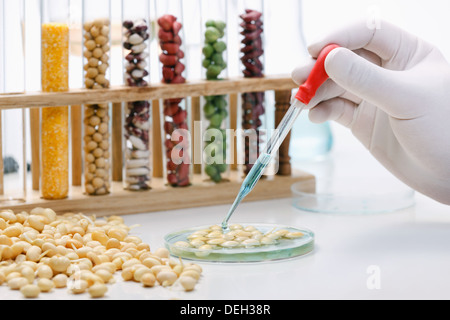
318,76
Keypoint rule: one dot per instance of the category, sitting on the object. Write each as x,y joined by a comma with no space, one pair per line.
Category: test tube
55,78
215,109
2,90
97,127
175,112
13,186
2,51
252,59
137,115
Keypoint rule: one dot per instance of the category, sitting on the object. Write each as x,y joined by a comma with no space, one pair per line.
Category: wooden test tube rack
161,197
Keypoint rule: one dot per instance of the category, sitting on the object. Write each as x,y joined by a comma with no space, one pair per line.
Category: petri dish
352,196
281,250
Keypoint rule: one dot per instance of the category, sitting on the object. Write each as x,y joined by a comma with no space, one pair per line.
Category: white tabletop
408,250
400,255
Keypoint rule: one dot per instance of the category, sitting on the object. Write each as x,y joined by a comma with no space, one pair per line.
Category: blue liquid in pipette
249,183
264,159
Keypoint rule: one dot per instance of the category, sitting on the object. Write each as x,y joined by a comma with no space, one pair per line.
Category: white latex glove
392,90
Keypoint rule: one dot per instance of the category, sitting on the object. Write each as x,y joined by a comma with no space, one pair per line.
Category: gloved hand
392,90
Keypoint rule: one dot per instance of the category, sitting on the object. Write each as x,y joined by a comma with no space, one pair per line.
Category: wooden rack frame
161,197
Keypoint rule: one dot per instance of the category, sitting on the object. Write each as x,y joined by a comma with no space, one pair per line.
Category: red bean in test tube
175,120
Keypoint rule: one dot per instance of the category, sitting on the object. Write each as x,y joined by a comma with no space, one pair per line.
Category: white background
290,25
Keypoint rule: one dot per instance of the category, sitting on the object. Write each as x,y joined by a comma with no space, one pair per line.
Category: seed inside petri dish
238,236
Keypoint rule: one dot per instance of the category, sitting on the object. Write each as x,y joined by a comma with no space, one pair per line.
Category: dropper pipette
306,92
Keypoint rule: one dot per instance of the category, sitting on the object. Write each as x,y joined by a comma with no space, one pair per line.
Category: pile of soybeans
41,252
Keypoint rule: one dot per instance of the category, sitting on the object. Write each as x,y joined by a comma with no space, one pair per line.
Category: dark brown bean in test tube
252,103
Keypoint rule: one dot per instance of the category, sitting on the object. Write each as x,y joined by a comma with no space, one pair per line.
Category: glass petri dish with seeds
243,243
